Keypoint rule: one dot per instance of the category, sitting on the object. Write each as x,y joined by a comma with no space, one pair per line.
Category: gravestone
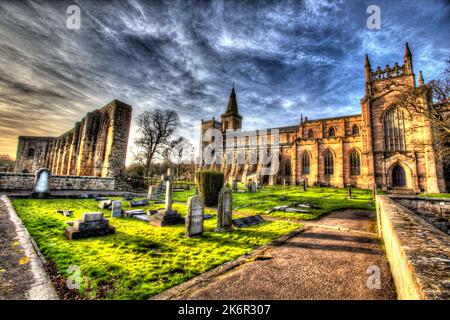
128,197
41,187
253,186
194,218
305,185
66,213
116,209
349,191
91,224
104,204
247,221
167,216
101,198
131,213
225,210
153,193
139,203
234,185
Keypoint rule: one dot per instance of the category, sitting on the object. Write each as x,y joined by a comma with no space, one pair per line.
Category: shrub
209,183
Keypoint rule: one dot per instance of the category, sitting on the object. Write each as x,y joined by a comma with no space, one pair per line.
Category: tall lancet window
305,162
394,129
329,162
355,163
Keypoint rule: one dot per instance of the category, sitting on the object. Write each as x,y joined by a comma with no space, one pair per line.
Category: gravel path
331,259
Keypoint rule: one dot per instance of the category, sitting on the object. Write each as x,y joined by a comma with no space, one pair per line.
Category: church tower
231,119
396,142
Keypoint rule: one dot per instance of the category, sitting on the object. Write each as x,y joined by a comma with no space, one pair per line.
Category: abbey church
385,146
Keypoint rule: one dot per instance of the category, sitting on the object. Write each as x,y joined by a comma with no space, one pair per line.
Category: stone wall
25,181
96,146
434,210
418,253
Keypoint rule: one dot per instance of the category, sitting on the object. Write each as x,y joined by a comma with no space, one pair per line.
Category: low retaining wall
25,181
418,253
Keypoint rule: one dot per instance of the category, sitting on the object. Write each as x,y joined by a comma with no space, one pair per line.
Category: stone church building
385,146
96,146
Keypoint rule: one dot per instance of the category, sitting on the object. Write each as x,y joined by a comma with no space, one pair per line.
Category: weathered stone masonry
96,146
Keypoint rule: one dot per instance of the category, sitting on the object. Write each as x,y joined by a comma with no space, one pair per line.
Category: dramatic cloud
286,58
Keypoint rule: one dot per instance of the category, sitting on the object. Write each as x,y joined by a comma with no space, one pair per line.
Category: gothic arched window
355,130
305,162
355,163
332,132
329,162
31,153
394,129
310,134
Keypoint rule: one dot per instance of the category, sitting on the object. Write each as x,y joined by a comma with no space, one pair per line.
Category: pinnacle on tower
407,52
421,81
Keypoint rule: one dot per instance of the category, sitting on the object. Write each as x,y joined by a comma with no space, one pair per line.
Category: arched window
329,162
355,163
310,134
394,129
355,130
332,132
305,162
31,153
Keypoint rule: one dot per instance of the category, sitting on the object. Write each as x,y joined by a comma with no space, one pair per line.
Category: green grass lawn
435,195
139,260
328,199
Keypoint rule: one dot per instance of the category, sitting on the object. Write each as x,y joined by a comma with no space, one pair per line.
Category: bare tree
175,152
433,102
156,127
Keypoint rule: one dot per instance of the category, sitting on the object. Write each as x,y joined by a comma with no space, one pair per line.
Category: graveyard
139,260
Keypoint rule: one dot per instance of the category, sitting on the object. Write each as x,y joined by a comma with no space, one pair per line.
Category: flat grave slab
139,203
247,221
66,213
142,217
131,213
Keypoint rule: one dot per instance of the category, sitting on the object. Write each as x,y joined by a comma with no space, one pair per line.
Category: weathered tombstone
104,204
234,185
131,213
128,197
194,218
101,198
92,224
153,193
305,185
349,191
253,187
116,209
225,210
167,216
41,187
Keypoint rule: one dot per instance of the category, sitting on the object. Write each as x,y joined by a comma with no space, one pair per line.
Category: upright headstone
194,218
253,186
167,216
305,185
234,185
153,193
349,191
116,209
225,210
41,187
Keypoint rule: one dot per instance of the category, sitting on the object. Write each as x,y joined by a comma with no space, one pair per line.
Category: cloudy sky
286,58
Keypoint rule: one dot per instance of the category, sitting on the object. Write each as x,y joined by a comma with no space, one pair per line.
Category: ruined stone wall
96,146
414,250
25,181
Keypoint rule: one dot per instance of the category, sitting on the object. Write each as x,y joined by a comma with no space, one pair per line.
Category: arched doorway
398,177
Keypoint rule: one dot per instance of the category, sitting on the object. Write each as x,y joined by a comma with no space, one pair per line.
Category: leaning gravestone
116,209
225,210
194,218
167,216
41,187
153,193
92,224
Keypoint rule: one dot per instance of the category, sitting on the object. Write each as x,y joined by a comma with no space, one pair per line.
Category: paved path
323,262
22,275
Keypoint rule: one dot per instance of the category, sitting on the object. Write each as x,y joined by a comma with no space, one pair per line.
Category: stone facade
384,146
25,181
96,146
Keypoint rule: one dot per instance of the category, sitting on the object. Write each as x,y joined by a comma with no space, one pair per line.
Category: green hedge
209,183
